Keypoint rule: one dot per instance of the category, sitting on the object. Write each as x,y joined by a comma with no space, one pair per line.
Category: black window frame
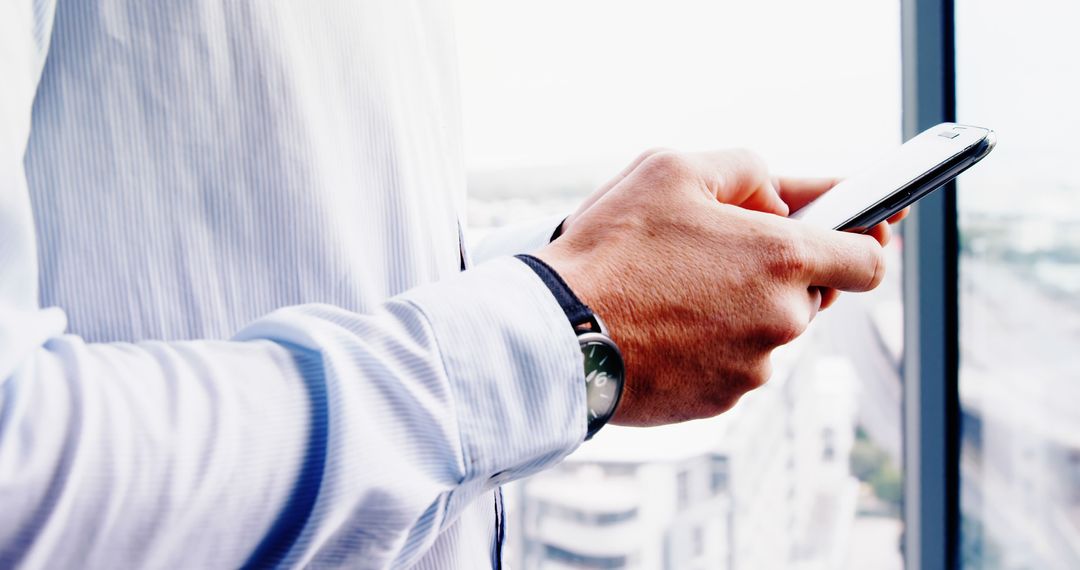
931,304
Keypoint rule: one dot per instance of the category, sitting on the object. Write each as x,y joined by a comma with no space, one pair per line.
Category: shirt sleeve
316,436
526,237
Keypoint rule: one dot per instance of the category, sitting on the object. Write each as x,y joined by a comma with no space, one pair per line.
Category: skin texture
698,273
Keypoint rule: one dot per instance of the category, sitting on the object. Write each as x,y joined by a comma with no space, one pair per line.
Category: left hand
774,195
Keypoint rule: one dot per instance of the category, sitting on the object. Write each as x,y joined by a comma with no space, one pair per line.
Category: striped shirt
233,326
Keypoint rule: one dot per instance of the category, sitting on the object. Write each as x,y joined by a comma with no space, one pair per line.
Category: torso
194,165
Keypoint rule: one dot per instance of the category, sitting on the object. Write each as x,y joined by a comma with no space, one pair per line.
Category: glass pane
558,97
1018,73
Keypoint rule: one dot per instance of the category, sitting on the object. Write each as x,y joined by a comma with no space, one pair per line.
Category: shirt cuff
517,238
514,365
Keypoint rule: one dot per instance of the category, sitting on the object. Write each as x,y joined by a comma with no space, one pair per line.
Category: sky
1018,72
813,86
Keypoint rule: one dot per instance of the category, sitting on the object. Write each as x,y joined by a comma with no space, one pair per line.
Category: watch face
603,376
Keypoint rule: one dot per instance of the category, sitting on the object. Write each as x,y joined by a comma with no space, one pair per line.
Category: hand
767,199
782,196
697,292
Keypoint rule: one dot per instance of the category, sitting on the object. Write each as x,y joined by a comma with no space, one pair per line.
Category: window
682,489
558,97
577,560
1019,218
591,518
720,473
828,445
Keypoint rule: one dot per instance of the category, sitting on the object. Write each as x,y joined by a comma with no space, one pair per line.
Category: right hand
697,292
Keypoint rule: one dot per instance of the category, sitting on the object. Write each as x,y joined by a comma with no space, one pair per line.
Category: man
262,349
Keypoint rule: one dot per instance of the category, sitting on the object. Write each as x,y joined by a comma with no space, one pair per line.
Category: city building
764,486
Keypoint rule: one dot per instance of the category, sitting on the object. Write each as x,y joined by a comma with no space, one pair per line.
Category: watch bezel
593,337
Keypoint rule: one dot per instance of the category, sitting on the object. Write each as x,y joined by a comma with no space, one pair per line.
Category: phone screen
901,176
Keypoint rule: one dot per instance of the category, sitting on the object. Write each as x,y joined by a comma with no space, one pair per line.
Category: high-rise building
766,485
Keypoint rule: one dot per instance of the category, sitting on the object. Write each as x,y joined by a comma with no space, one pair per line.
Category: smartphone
923,164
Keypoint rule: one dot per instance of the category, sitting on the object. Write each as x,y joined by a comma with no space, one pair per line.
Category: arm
25,26
342,433
314,433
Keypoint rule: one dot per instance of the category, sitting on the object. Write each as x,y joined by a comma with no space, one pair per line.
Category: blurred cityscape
1020,380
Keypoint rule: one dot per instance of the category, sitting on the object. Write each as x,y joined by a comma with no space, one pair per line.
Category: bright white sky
815,86
812,85
1019,73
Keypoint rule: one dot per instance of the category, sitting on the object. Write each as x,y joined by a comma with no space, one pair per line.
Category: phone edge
920,187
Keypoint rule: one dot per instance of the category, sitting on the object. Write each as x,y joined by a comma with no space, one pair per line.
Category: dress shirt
233,326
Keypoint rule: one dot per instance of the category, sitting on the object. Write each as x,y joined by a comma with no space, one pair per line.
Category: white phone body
923,164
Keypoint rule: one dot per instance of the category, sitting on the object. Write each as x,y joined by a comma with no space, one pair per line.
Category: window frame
931,304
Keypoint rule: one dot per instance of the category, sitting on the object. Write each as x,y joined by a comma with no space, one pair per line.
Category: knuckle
786,253
787,330
722,405
877,265
788,323
667,163
750,158
751,164
650,152
757,375
795,325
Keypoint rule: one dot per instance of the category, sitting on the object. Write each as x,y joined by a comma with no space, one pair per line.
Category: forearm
315,427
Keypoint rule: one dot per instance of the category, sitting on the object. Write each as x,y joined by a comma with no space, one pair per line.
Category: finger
740,178
881,233
828,297
766,199
841,260
897,217
735,177
798,192
816,299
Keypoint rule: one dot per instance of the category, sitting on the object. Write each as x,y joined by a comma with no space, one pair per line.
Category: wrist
577,312
568,267
587,279
603,364
594,284
511,368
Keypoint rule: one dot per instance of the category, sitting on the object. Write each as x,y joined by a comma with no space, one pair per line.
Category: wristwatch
604,368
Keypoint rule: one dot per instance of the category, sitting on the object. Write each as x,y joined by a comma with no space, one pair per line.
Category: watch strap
577,313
